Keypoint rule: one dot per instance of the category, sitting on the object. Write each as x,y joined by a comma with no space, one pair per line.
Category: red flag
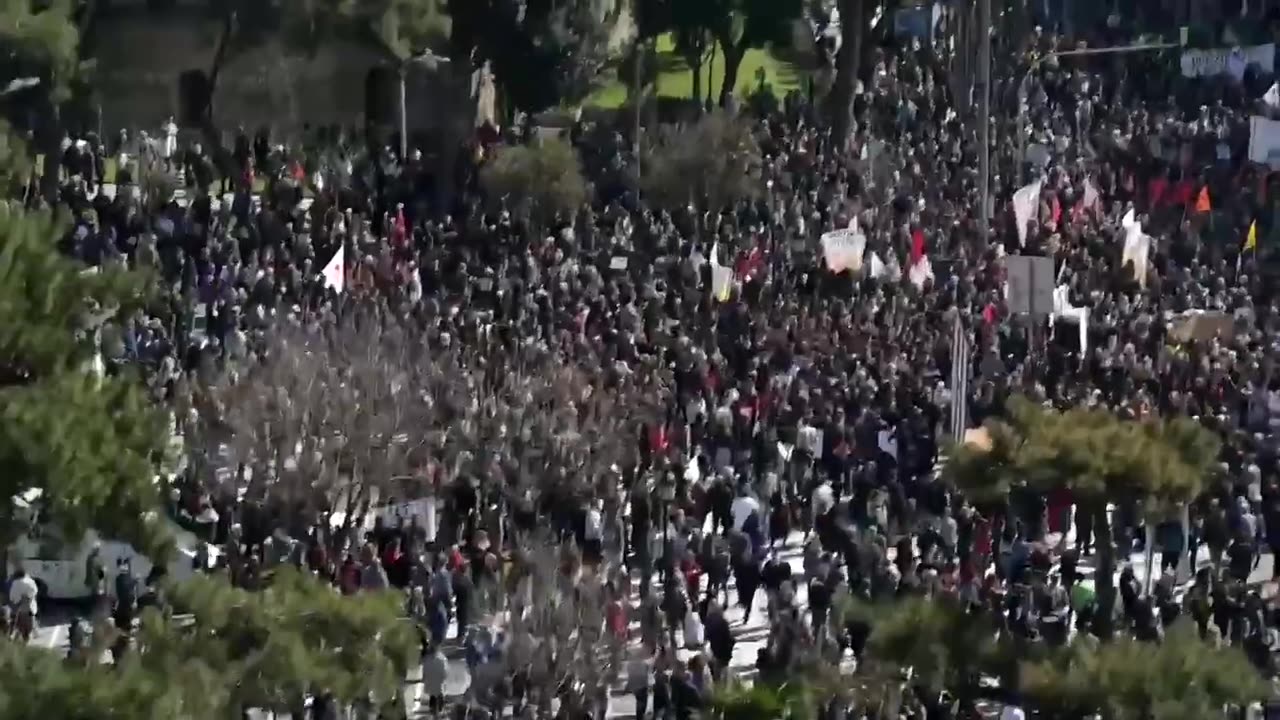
989,314
1055,210
1156,190
750,265
1182,192
917,246
399,233
658,441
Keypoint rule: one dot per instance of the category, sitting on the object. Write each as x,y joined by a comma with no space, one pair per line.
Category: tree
1180,678
274,647
691,23
86,446
41,42
713,163
542,181
36,683
745,24
944,643
319,423
542,53
1101,459
855,28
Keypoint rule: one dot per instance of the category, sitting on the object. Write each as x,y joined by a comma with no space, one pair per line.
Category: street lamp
1025,82
428,61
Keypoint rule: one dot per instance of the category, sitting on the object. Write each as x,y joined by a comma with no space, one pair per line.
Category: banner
843,249
1201,326
1264,140
1230,61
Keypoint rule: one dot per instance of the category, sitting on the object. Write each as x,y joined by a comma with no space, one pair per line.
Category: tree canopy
87,445
711,163
543,179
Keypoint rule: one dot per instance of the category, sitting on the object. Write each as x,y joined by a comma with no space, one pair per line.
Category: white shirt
594,526
742,507
24,589
1012,712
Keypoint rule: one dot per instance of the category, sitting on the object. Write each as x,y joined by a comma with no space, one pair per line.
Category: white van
58,566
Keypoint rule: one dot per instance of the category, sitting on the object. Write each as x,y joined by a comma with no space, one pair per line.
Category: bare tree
323,417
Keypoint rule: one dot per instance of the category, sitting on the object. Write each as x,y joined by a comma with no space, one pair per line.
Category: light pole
1025,81
428,61
984,117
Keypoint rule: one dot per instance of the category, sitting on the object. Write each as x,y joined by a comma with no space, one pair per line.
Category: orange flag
1202,203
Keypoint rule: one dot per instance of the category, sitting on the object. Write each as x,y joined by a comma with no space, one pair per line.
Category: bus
58,564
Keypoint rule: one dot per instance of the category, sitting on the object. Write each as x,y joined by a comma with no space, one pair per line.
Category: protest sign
1201,326
843,249
1264,140
1232,61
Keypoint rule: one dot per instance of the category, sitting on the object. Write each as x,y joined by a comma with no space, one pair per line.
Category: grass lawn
675,79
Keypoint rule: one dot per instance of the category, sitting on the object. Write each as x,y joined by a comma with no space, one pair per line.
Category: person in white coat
170,148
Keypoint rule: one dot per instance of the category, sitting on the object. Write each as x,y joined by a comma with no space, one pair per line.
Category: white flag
877,266
1025,202
721,276
1090,199
921,272
1272,98
1064,311
1137,247
335,273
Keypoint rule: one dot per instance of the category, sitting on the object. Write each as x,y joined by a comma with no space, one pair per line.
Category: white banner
843,249
1230,61
1264,140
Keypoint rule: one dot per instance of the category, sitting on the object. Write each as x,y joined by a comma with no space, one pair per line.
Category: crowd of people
792,460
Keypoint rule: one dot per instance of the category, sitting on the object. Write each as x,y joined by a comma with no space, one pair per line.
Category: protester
804,416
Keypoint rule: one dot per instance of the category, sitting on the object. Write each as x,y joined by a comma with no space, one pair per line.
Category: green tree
41,42
399,28
273,647
87,446
711,163
1160,465
741,25
1180,678
540,181
542,53
36,683
855,33
942,643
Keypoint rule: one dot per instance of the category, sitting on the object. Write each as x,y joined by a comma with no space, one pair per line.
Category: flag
960,356
917,246
1272,97
1251,240
334,273
721,276
399,229
921,272
877,266
750,265
1063,310
1202,202
1137,247
1025,202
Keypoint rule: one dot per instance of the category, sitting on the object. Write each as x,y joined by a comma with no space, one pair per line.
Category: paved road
750,636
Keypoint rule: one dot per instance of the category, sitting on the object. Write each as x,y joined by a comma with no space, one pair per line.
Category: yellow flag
1251,240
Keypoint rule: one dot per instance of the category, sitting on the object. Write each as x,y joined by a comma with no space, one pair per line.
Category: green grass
675,79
